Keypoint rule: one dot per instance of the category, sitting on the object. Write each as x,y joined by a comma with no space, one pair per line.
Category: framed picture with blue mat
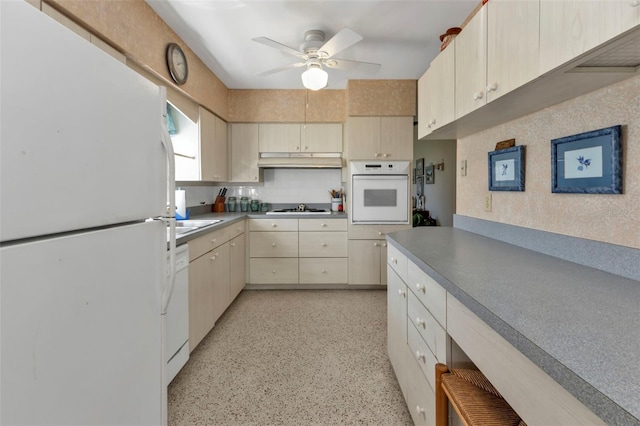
588,163
506,169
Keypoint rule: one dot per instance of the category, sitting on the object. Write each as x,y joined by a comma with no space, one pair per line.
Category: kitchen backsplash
280,186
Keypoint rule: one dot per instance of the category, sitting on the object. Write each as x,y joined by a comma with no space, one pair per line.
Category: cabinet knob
401,293
380,233
324,271
433,122
385,155
255,178
273,271
420,356
478,96
420,287
233,244
324,225
213,257
273,244
376,244
323,244
634,3
419,409
421,322
213,240
297,148
384,245
273,225
492,87
306,148
376,155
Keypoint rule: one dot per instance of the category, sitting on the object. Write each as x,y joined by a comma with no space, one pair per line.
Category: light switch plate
463,168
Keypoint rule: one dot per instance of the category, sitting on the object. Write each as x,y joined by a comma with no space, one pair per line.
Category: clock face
177,63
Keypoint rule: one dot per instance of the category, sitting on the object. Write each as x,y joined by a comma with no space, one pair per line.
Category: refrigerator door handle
167,291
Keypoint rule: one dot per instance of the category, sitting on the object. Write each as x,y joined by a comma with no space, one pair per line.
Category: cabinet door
513,45
244,152
365,262
441,87
397,326
363,138
471,64
220,279
322,137
383,262
213,147
571,28
276,137
424,105
396,138
201,316
237,261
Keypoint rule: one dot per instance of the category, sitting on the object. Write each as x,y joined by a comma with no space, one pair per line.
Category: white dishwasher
177,317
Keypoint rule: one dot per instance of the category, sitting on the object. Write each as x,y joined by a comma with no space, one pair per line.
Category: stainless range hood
277,160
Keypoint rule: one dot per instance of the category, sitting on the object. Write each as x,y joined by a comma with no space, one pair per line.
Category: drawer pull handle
421,356
273,244
420,287
401,293
419,409
421,322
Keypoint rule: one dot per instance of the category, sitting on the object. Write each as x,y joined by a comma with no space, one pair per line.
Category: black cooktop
296,211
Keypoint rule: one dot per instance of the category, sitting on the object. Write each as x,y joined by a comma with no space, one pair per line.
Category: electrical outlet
463,168
487,202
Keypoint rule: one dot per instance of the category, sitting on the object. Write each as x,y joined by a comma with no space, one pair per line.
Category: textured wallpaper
609,218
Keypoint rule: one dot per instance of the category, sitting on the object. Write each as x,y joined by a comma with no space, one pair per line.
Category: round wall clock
177,63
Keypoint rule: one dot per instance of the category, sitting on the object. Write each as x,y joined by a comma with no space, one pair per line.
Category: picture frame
420,166
507,169
588,163
419,185
429,174
415,173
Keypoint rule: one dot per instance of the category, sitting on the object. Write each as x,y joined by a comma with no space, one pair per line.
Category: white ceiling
401,35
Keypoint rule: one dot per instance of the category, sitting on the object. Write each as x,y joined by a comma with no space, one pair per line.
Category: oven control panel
380,167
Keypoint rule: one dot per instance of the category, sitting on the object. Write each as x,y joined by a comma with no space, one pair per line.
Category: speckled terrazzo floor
292,357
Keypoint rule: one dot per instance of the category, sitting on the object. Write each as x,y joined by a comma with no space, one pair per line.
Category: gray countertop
578,324
228,218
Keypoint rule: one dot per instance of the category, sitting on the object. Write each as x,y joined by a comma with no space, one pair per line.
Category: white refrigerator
84,167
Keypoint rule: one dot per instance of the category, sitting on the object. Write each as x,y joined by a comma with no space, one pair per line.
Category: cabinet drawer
323,244
372,232
429,292
432,333
273,244
273,225
273,271
323,271
398,261
422,354
201,245
236,229
322,225
420,397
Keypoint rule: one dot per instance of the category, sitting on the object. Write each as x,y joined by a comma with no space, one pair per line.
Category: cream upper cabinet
513,45
321,137
471,65
244,152
571,28
380,138
436,93
279,137
213,147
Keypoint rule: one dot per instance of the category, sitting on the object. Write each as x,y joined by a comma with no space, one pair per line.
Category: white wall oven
379,192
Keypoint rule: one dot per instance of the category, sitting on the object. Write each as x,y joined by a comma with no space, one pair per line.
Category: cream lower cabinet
298,251
323,251
367,249
214,265
417,338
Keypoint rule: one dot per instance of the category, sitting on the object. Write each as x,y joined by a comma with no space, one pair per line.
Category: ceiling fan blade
280,46
345,38
284,68
344,64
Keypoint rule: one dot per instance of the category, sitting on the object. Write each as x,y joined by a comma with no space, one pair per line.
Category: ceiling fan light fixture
315,78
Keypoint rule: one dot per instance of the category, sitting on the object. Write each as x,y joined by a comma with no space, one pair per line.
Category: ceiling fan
316,55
